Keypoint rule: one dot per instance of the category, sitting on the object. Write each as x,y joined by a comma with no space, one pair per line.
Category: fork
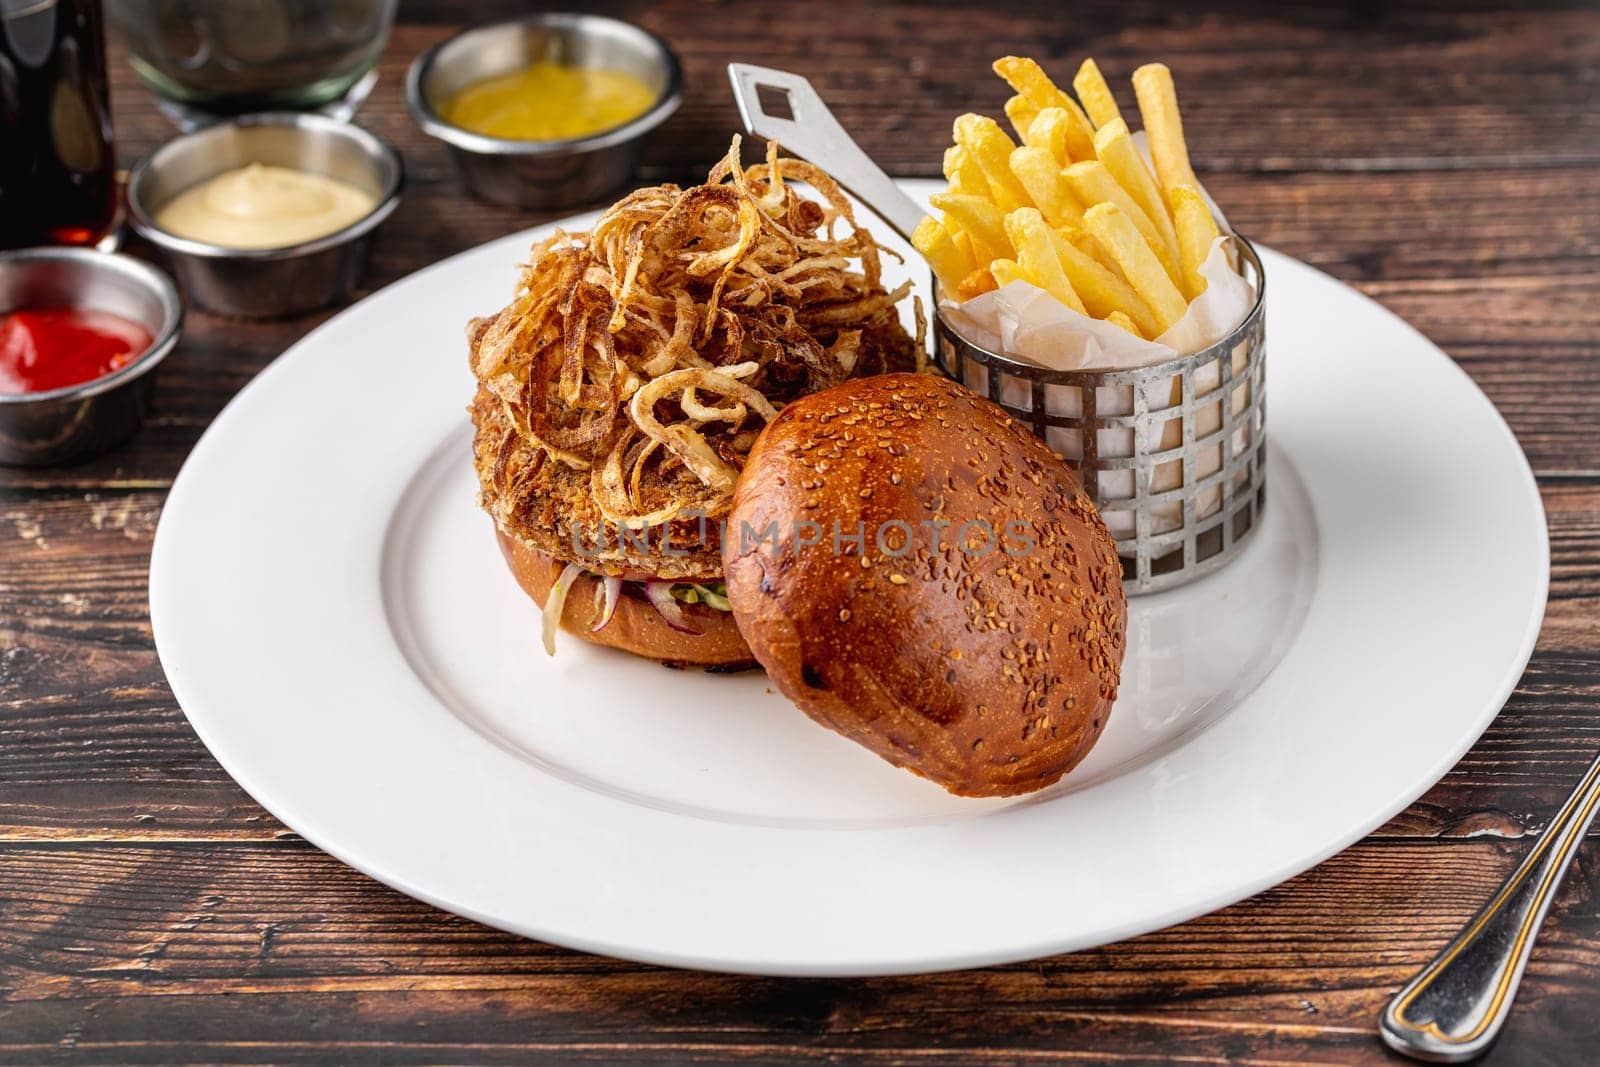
1453,1009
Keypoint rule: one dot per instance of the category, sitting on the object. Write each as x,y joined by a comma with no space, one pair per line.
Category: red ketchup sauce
48,348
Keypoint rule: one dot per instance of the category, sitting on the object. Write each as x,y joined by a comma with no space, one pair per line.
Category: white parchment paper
1025,322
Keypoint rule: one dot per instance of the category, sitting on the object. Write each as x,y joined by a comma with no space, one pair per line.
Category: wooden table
1446,163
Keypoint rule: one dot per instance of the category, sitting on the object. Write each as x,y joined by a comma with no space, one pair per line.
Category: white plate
334,618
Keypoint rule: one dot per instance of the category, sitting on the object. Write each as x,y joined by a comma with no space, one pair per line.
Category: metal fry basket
1172,454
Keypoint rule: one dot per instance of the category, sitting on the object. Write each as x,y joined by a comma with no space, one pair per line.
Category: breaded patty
548,506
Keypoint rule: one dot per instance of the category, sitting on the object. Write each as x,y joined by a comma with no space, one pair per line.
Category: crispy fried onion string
689,444
651,351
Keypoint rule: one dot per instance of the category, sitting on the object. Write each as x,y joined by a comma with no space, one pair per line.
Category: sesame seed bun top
917,571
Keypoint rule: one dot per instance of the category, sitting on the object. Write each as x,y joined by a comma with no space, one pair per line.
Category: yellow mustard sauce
548,102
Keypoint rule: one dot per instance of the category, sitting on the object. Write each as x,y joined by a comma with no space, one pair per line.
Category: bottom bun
636,626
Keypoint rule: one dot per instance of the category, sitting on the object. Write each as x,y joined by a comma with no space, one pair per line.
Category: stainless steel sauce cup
260,283
544,174
82,420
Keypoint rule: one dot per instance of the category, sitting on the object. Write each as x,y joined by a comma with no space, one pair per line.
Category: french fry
1117,318
963,242
1048,130
1114,147
1084,243
1040,175
1093,184
1197,232
990,148
1006,271
963,173
1095,94
1102,288
1090,247
1080,239
977,283
1030,81
1071,206
1021,111
1117,233
1080,131
983,222
934,242
1158,104
1036,252
963,185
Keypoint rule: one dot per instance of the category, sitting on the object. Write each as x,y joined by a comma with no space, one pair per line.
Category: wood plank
232,952
1275,88
92,746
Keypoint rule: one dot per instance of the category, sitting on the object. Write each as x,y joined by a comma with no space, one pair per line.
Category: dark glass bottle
58,176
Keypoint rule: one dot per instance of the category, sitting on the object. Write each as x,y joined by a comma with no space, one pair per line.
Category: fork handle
811,132
1453,1009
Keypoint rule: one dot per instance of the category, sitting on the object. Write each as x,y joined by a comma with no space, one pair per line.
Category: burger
621,390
